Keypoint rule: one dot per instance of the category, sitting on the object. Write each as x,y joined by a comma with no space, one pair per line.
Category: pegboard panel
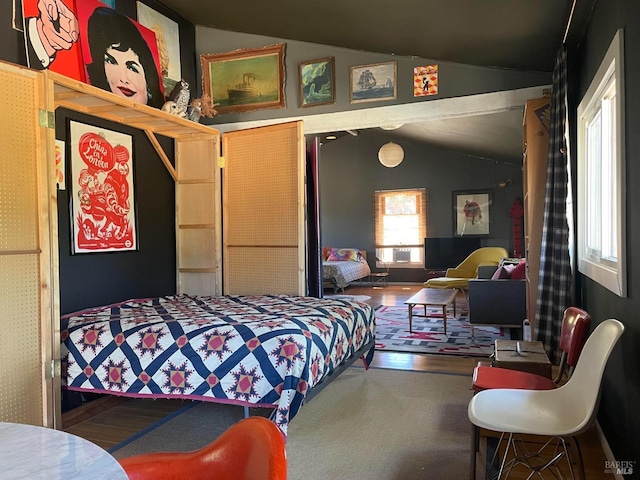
18,167
198,283
197,160
197,248
196,203
261,188
257,271
21,362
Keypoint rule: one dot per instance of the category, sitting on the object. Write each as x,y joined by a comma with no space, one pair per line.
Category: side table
532,357
378,277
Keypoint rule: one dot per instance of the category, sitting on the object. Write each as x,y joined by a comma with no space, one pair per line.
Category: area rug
392,333
367,424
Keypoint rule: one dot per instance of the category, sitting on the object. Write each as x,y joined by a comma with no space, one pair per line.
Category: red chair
575,325
251,449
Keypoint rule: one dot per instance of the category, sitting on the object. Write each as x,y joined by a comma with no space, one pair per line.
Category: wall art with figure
102,194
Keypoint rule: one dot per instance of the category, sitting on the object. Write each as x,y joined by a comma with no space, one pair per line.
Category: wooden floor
110,420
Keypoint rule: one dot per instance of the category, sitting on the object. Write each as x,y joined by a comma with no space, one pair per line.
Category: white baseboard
607,451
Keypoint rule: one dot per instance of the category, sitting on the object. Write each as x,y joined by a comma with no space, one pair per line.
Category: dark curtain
314,262
555,285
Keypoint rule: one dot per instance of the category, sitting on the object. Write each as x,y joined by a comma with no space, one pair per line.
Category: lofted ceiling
512,34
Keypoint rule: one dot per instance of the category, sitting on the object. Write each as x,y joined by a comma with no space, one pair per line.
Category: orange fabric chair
575,325
251,449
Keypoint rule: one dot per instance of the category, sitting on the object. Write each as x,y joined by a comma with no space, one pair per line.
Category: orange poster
425,80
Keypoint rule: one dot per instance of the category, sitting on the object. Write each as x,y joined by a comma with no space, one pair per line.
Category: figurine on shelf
172,108
201,107
181,94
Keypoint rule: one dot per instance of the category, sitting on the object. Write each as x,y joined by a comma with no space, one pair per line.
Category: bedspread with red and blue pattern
264,351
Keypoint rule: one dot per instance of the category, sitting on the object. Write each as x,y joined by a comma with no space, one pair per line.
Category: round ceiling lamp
391,155
391,126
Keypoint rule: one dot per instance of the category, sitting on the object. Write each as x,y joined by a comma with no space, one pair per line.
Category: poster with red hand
103,197
51,36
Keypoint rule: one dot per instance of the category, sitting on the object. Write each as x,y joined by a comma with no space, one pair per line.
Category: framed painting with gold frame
317,82
246,79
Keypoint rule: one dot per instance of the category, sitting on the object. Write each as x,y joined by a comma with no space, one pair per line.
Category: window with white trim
601,165
400,225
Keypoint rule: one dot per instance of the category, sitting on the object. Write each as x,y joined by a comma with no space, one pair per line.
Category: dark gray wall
455,79
621,385
350,173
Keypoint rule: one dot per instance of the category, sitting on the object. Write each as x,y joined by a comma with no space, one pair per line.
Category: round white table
30,452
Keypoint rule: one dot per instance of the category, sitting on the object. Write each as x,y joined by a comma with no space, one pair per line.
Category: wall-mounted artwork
471,213
120,54
102,195
425,80
61,164
317,82
168,39
246,79
51,38
369,83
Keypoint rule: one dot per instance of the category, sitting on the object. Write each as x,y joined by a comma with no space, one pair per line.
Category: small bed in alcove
342,266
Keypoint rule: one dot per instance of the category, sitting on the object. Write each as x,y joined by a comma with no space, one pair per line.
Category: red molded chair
251,449
575,325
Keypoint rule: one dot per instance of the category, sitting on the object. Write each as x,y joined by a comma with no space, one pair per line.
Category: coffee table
434,297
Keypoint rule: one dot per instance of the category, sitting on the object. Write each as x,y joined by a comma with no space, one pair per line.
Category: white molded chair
566,411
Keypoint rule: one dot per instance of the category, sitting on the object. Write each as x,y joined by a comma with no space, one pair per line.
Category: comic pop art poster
51,34
119,54
425,80
102,193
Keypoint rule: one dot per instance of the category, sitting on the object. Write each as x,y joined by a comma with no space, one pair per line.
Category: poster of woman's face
120,55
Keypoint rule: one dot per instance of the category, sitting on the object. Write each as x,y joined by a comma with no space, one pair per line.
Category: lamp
391,155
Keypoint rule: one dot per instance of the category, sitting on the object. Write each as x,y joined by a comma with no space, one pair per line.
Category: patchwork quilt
265,351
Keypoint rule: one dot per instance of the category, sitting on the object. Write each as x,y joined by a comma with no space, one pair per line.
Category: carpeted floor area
392,333
365,425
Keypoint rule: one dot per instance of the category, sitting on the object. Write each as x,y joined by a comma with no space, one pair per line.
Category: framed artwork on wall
168,40
472,213
246,79
317,82
368,83
103,216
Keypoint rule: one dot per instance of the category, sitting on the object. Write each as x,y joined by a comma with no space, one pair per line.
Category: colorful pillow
519,272
504,272
343,254
325,253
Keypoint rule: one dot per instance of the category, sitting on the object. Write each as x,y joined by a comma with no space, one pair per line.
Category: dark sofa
497,302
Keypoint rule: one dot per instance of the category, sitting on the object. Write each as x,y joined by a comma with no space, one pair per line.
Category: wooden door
264,210
29,331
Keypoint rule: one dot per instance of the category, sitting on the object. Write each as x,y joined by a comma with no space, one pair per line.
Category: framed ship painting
369,83
317,82
102,193
246,79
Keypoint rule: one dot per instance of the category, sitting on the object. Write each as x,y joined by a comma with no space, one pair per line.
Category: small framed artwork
425,80
103,216
246,79
472,213
317,82
369,83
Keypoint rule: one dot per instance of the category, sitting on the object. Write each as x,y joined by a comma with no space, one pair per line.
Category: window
601,166
400,225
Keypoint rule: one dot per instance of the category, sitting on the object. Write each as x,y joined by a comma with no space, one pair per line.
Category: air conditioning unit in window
401,255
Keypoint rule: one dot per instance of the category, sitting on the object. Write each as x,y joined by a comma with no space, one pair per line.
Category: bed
341,266
270,351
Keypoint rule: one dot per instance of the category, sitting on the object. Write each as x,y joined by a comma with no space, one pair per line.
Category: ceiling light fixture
392,126
391,155
330,137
